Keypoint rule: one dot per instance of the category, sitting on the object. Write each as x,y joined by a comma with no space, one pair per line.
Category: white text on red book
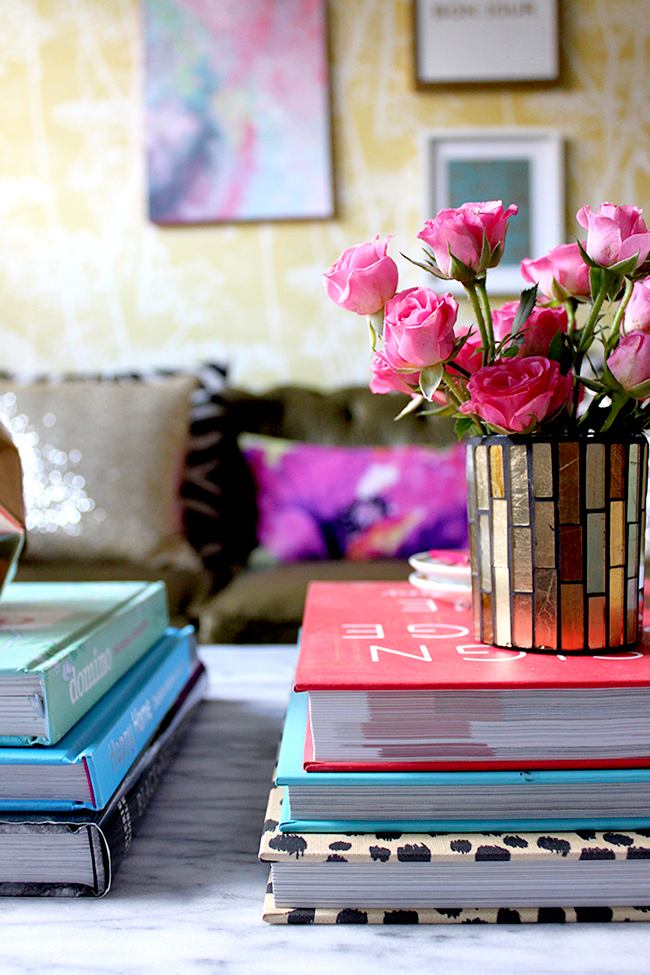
361,631
436,631
423,655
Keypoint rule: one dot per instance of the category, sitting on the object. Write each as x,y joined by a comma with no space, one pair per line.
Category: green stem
487,311
618,402
457,394
470,288
570,306
577,366
614,331
590,327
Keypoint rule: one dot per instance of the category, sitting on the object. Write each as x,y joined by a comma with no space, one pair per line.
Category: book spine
111,831
96,664
123,817
115,754
97,864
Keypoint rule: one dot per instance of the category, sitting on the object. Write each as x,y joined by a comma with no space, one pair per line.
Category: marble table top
188,898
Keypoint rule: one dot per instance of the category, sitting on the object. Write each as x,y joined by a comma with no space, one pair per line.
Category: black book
77,854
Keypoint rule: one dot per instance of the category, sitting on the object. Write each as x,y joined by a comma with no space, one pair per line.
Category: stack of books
96,692
423,777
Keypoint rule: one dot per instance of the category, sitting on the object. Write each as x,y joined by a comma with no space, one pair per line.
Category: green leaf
595,387
595,279
585,257
484,259
495,255
642,271
449,410
615,286
376,325
619,402
610,381
623,268
466,425
429,267
556,348
560,351
610,278
462,339
459,271
527,301
412,405
430,379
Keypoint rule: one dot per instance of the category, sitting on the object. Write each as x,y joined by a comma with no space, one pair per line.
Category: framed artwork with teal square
525,168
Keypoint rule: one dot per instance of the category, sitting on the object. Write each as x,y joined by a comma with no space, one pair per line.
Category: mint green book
62,647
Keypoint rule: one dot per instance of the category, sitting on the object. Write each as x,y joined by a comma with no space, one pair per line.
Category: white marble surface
188,898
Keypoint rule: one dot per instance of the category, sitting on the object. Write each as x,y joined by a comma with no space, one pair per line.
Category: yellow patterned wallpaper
87,282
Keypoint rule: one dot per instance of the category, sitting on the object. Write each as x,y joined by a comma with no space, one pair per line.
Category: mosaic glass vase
557,531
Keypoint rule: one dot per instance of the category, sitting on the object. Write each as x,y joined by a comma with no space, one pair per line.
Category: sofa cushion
217,494
102,461
266,605
357,503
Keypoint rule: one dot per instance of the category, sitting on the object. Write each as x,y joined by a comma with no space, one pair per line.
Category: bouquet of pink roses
571,356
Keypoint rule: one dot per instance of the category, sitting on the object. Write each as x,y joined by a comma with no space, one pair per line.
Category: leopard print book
468,915
277,847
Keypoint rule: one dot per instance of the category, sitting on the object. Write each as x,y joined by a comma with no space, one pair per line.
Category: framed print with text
483,41
525,167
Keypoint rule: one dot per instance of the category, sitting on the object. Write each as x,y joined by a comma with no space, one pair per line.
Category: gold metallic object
557,531
522,559
542,470
519,504
497,483
595,476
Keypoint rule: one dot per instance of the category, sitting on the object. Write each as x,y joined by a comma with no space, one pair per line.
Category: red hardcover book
396,681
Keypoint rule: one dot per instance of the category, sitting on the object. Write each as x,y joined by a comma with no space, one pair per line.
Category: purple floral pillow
319,502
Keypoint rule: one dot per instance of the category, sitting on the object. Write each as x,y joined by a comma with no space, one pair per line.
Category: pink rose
614,234
419,328
637,313
516,395
629,364
386,379
562,273
538,330
461,232
363,278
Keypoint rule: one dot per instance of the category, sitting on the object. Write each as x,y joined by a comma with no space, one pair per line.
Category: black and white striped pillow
218,492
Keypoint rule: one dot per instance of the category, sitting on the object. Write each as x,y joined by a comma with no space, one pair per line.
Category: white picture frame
486,42
478,165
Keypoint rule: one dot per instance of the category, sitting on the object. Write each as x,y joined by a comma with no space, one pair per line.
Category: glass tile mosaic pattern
556,539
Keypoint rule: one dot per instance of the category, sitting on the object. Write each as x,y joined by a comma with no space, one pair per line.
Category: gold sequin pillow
102,463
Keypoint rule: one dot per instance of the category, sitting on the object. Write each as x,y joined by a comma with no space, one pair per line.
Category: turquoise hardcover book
541,799
63,646
85,768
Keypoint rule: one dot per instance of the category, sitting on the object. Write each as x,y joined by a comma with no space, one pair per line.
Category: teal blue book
468,802
64,645
87,765
84,769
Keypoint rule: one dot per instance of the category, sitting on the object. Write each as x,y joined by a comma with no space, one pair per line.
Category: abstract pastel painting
237,114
